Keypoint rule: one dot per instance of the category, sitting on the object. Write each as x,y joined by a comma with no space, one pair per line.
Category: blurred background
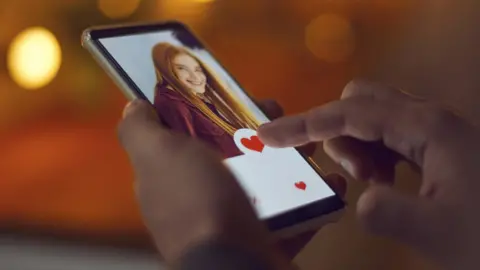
66,197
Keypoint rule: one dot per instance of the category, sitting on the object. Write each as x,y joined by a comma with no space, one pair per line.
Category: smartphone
166,64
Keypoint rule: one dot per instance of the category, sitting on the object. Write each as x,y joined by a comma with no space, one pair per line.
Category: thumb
140,130
414,221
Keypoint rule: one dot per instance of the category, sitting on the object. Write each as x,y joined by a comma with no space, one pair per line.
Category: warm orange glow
330,37
188,11
117,9
34,58
62,171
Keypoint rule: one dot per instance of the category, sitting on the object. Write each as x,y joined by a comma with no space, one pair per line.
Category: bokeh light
34,58
118,9
330,37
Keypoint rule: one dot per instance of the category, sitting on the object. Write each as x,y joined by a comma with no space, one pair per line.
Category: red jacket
182,116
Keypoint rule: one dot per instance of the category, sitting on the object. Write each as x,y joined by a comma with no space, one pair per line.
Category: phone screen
193,94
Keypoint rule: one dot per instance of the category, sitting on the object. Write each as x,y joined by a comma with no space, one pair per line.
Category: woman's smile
190,73
196,83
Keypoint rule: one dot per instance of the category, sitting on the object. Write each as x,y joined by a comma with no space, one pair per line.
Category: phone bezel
303,214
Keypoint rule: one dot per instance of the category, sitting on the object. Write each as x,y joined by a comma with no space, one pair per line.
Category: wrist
218,255
223,255
185,246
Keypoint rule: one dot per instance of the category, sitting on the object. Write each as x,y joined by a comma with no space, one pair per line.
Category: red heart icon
301,185
253,143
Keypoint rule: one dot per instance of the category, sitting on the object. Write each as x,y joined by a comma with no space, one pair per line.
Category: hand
369,131
186,195
158,156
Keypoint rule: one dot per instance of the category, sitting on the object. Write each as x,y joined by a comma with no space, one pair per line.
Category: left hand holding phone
187,196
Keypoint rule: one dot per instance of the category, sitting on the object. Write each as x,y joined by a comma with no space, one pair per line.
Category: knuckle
358,87
350,89
437,119
387,93
374,90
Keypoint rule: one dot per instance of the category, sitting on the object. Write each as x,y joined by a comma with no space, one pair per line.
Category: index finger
402,126
357,117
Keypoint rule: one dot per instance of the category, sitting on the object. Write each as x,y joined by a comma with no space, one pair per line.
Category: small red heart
253,143
301,185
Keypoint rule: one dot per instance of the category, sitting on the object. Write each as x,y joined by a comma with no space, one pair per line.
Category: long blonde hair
237,116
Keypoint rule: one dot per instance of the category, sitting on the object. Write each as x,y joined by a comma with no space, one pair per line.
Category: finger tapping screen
194,95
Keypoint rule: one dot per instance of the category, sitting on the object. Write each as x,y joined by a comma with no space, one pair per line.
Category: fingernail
129,108
267,126
347,166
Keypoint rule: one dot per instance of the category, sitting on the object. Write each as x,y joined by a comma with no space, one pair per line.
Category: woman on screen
190,99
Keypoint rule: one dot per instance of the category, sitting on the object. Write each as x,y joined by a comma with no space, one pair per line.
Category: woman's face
190,73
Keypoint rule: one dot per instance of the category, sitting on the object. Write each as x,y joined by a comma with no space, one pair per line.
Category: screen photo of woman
190,99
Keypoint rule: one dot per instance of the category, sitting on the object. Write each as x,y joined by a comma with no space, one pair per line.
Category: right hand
369,131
